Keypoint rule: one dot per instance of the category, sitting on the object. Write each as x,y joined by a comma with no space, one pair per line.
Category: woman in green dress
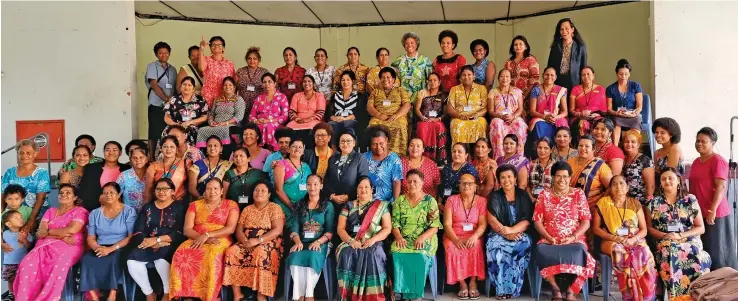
415,222
240,179
311,231
290,179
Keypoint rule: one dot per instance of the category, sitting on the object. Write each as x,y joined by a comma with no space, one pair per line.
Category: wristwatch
261,241
158,240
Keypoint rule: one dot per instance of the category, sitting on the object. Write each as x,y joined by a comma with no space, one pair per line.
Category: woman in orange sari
170,167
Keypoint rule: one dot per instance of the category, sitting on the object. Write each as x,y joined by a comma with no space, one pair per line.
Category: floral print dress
633,173
181,111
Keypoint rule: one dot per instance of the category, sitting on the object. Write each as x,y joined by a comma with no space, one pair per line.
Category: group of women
218,208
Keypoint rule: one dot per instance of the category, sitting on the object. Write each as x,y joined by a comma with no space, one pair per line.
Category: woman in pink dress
270,110
464,222
306,110
523,66
290,75
43,271
215,68
505,105
587,102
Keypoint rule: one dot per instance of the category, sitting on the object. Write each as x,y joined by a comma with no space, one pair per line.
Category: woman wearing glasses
290,178
215,68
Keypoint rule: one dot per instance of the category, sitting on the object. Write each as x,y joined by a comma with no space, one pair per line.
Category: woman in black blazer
344,169
96,175
567,42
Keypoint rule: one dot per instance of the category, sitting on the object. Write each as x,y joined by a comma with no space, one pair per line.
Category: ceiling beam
172,8
379,13
443,10
314,14
244,11
509,3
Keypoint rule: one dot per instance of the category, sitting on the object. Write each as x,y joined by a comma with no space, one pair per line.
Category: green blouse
413,221
311,226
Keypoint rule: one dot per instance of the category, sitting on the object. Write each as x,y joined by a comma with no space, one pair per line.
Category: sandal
463,295
553,296
570,296
474,294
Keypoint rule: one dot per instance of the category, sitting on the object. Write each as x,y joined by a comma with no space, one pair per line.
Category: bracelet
207,234
117,246
261,241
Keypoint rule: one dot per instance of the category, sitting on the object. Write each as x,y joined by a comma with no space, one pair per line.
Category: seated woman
603,148
464,222
586,103
637,168
485,165
169,167
306,110
269,111
385,167
345,168
109,230
227,112
511,155
311,232
197,265
548,107
591,174
187,109
451,173
354,65
95,175
81,155
389,106
131,181
624,101
33,178
621,224
539,170
363,226
290,179
429,169
158,233
252,141
317,157
505,106
239,180
344,105
254,261
415,222
675,222
563,150
430,109
210,167
561,217
43,271
467,106
509,213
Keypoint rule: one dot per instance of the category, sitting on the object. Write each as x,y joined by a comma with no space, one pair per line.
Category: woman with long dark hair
568,54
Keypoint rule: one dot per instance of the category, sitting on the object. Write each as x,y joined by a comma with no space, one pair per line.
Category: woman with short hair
389,107
354,65
372,78
484,70
668,134
449,63
345,106
224,116
33,178
322,73
188,110
214,68
637,168
413,67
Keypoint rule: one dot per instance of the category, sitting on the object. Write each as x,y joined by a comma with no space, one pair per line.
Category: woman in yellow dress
467,105
389,106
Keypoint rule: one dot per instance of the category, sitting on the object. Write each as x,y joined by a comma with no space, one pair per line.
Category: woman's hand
459,244
296,248
710,217
356,245
251,242
631,241
368,243
393,118
42,233
566,240
401,243
672,236
340,199
471,242
203,43
69,240
148,243
212,241
315,246
197,242
104,251
419,243
505,230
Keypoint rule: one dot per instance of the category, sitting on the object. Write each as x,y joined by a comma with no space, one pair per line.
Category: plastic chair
70,285
328,277
433,276
130,287
606,263
532,270
647,122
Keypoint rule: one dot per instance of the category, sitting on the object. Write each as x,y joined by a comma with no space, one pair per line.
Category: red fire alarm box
34,130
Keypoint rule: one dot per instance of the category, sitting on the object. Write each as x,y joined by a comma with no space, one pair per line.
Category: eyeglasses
562,176
321,135
216,45
297,147
468,183
162,189
346,141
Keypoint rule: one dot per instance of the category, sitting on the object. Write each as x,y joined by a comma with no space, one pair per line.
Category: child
13,248
13,197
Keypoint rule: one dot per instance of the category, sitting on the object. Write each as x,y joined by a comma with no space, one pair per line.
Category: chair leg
433,275
606,276
585,292
539,280
287,282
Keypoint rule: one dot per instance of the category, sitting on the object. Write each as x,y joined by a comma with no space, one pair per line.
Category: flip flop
474,294
463,295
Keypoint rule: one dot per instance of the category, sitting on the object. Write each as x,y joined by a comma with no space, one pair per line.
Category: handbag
718,285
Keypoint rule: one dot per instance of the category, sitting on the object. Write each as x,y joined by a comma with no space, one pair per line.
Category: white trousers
140,274
304,280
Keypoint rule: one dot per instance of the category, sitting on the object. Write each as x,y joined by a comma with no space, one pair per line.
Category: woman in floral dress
270,110
187,109
215,68
505,106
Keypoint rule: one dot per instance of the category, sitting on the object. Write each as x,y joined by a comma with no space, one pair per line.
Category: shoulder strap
157,81
197,75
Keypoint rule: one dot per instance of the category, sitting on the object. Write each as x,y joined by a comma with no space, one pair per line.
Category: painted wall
180,35
695,68
62,62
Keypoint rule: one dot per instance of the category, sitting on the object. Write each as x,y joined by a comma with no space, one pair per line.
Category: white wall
696,67
71,61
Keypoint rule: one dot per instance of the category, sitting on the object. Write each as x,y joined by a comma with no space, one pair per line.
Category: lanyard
468,212
467,95
625,208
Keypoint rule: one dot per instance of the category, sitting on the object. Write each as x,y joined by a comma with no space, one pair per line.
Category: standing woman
415,222
98,174
505,107
539,170
249,79
510,155
223,118
290,75
587,103
509,214
252,140
485,165
668,134
346,103
430,109
467,106
363,225
210,167
372,78
604,148
169,167
81,155
33,178
322,73
270,110
523,66
413,67
563,150
345,168
416,161
215,68
311,232
451,173
568,54
637,168
290,179
484,70
132,182
188,110
360,71
707,183
548,107
306,110
239,181
449,63
389,107
464,222
254,261
624,101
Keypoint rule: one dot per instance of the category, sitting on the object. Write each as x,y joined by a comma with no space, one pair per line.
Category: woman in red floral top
561,217
523,66
214,68
289,76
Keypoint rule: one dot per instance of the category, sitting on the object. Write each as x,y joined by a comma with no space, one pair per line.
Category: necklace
561,195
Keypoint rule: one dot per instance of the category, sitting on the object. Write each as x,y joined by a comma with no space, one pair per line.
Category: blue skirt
103,273
507,262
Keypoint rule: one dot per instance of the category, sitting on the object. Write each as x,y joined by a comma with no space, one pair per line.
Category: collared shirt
167,82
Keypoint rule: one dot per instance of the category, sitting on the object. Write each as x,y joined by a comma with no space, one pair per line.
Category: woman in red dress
289,76
523,66
448,63
215,68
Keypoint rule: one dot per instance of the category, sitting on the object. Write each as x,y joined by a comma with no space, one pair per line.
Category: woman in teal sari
415,222
290,179
363,226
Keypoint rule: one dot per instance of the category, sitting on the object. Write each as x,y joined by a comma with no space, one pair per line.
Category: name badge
291,86
344,114
467,109
168,86
447,192
309,234
466,227
250,88
506,112
432,114
386,103
674,226
621,109
356,228
409,76
537,190
303,187
243,199
622,231
186,117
